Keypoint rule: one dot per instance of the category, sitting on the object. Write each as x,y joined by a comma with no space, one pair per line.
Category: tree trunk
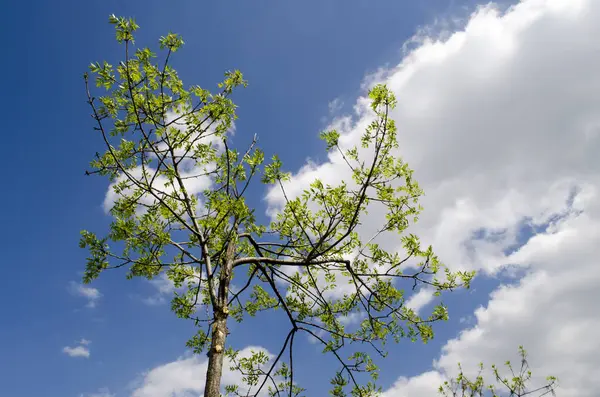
216,354
214,372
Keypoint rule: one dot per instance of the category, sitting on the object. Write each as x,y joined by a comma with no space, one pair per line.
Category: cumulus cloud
501,122
80,349
77,351
186,376
92,295
420,385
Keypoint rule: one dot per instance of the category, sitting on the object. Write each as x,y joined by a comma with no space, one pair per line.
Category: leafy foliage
514,385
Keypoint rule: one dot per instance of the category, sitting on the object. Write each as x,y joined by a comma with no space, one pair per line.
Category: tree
516,385
179,207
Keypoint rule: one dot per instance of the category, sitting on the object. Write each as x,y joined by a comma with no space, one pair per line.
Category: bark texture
215,362
219,328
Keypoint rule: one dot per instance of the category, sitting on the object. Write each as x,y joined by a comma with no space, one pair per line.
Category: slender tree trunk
219,328
215,362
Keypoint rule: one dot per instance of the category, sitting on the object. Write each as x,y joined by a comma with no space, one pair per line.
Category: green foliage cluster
516,384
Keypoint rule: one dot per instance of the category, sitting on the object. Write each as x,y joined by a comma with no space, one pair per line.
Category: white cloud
186,376
420,385
501,122
77,351
551,311
80,350
164,288
421,299
91,294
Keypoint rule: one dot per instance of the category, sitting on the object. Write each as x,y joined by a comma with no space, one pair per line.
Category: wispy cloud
335,106
91,294
164,288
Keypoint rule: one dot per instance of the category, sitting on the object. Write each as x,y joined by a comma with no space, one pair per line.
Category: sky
498,113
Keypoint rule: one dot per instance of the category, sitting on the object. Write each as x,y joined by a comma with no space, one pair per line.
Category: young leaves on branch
514,384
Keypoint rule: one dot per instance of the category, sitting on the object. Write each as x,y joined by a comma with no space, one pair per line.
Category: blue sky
298,57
